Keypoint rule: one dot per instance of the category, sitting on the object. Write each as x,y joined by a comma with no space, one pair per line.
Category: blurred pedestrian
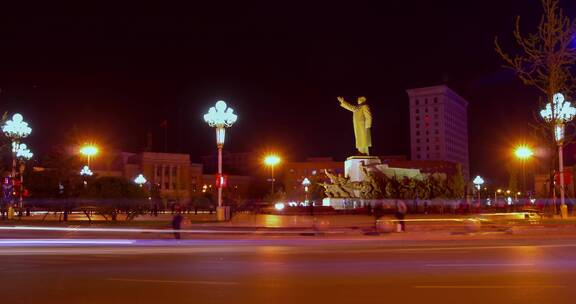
177,224
400,214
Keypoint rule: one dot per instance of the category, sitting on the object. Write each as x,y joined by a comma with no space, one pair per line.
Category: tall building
439,126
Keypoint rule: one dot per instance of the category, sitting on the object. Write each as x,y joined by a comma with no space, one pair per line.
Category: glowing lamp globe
22,151
89,150
558,112
523,152
86,171
16,127
220,117
271,160
478,181
140,180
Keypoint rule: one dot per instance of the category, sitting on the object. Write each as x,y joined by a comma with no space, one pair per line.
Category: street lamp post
23,154
478,182
16,129
523,153
271,161
558,113
306,184
220,117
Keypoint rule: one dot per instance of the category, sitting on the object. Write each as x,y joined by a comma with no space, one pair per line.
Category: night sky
115,77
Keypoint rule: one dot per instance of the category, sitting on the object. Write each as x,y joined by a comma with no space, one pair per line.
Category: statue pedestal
353,166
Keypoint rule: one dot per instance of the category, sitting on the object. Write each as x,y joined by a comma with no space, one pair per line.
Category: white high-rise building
439,126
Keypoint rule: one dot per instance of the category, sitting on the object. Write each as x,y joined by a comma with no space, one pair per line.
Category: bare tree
545,60
546,57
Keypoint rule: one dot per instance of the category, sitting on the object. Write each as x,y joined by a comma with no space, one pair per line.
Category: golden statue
362,119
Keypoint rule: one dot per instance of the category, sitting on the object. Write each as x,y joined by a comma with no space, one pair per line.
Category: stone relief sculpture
378,186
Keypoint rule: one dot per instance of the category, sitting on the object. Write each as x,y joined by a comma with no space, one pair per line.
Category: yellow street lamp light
89,151
271,161
523,152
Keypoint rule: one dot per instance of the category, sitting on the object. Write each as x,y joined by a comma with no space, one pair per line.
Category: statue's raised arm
346,105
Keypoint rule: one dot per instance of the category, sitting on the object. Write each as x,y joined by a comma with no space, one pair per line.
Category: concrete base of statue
353,166
223,213
354,203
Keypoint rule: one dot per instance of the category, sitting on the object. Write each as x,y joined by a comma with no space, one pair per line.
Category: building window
174,171
425,100
417,148
417,141
435,100
417,132
166,186
418,156
417,111
417,102
417,126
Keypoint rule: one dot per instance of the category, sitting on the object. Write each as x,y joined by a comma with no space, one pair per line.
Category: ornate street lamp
478,182
86,171
558,113
140,180
306,184
16,129
220,117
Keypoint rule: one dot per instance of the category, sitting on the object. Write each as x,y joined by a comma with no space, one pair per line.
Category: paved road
303,270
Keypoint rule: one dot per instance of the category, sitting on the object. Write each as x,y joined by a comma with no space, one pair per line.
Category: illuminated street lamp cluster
17,129
86,171
22,151
558,113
